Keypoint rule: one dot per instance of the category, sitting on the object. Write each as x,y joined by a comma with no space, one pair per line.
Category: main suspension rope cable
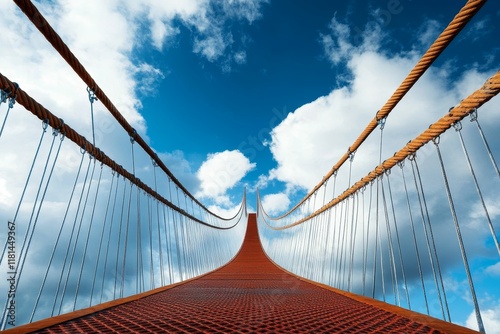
45,115
443,40
472,102
39,21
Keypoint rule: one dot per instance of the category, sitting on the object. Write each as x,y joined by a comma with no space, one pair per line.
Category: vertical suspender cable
417,253
460,240
67,252
458,128
44,131
91,223
49,265
473,116
109,236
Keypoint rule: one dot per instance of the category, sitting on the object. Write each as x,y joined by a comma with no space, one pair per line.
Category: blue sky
249,93
204,105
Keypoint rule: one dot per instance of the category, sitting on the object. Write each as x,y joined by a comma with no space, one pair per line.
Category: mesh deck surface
248,295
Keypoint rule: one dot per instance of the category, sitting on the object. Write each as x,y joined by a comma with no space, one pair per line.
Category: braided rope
443,40
56,41
490,88
43,114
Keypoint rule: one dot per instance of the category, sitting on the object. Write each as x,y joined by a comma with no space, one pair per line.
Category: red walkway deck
248,295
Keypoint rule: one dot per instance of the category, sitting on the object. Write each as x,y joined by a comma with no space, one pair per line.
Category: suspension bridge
106,248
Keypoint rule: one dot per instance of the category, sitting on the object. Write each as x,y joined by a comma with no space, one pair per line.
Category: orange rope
43,114
443,40
490,88
55,40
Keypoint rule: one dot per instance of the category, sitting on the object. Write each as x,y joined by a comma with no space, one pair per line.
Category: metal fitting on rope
45,124
381,122
351,155
60,129
401,164
13,96
436,140
92,96
83,148
473,115
133,135
458,126
412,156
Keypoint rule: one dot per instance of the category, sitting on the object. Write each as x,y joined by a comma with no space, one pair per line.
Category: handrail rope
443,40
471,103
44,114
56,41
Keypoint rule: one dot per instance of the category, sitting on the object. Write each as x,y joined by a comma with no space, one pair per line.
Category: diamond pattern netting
249,295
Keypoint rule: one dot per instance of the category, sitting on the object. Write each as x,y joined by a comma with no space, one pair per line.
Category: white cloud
222,171
275,203
313,138
493,270
206,19
491,320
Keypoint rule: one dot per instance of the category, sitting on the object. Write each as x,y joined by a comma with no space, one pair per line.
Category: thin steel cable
160,248
139,260
101,237
87,238
417,252
167,242
433,248
355,218
49,265
23,255
485,142
109,237
150,223
68,248
27,240
458,128
28,178
122,214
425,218
392,258
365,257
460,241
403,271
125,244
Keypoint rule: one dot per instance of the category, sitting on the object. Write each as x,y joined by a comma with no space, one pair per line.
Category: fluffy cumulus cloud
491,320
313,138
206,19
275,203
220,172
